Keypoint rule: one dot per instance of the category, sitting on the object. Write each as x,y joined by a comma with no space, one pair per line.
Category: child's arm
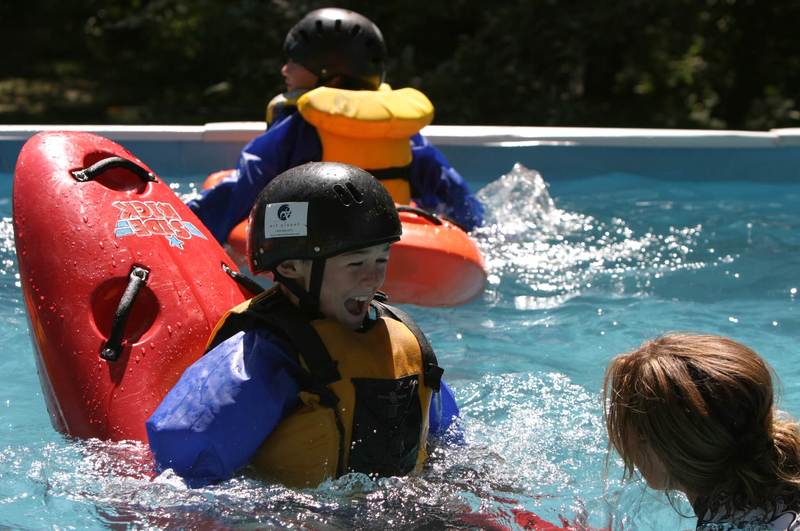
438,187
443,415
287,144
223,407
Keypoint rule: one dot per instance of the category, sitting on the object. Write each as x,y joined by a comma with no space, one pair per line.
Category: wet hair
703,405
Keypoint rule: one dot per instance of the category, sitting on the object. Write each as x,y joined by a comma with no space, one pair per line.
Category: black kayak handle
93,171
433,218
112,348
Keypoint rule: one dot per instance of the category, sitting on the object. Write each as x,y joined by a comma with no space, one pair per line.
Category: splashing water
546,255
495,482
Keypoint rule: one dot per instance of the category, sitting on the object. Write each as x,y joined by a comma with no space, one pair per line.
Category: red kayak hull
77,243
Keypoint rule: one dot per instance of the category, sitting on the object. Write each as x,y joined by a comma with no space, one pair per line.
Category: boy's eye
355,264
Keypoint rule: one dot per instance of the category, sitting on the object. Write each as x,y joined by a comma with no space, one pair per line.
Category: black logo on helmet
284,212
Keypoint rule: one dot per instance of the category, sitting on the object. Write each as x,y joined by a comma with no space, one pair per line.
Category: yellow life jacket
365,395
370,129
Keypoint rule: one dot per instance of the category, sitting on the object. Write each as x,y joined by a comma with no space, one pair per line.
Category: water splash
9,275
544,255
534,442
7,249
186,191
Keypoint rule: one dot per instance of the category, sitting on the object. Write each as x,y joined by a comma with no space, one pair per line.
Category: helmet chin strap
309,300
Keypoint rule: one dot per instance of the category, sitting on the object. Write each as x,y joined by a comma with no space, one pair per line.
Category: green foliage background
636,63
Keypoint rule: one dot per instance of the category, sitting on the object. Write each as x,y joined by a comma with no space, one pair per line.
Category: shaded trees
643,63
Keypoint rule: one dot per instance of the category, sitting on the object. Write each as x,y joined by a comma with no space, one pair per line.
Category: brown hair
703,405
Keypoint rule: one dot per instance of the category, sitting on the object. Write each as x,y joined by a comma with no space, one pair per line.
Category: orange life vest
370,129
365,394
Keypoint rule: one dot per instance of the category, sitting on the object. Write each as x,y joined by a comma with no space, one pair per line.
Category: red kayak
122,283
435,263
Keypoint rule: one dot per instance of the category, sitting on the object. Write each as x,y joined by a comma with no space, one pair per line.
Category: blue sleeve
223,407
437,186
443,414
286,144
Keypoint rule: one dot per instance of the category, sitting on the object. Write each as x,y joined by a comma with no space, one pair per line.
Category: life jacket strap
397,172
272,310
295,326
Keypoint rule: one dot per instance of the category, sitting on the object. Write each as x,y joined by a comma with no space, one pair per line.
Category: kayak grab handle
433,218
93,171
112,348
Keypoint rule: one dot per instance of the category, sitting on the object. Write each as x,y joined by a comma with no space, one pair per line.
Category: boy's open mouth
356,305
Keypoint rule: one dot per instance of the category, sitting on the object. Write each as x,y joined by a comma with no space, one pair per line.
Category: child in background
695,413
338,109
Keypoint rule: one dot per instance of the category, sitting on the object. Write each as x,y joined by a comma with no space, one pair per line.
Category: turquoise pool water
580,269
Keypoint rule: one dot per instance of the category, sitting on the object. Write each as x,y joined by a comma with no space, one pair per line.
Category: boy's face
349,282
296,76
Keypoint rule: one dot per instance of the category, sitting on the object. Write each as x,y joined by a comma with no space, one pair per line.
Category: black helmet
337,42
319,210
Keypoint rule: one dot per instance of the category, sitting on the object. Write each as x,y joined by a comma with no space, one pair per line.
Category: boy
316,377
350,117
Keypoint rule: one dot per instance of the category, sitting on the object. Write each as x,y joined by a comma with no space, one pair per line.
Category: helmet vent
338,24
304,35
343,194
356,193
348,194
319,26
355,30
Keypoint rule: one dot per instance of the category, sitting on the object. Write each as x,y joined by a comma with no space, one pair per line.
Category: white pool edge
241,132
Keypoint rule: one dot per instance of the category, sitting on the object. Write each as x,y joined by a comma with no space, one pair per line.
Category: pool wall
482,153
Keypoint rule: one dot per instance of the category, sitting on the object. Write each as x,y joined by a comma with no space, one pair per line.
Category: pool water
579,270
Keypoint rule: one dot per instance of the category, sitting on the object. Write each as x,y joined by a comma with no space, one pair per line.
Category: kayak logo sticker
152,218
286,220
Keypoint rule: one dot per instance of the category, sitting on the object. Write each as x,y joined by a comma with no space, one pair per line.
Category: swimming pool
610,245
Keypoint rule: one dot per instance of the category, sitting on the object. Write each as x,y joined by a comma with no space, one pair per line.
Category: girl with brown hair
695,413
